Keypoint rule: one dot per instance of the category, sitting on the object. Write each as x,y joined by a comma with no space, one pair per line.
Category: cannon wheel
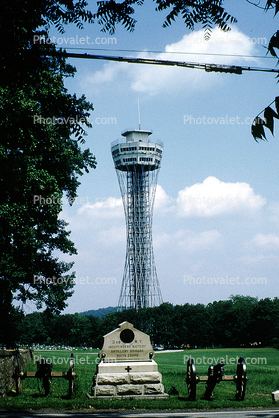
17,371
43,375
241,379
191,379
71,389
46,384
70,376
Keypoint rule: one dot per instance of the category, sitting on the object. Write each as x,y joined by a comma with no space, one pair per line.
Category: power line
171,52
235,69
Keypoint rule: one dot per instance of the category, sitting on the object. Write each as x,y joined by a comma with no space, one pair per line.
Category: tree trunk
7,318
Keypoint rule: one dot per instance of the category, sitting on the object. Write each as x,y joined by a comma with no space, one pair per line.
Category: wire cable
170,52
235,69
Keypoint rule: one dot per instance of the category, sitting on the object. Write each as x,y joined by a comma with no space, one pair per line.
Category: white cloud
109,208
210,198
273,213
187,240
107,74
152,81
112,236
157,79
214,197
112,207
259,260
268,241
163,202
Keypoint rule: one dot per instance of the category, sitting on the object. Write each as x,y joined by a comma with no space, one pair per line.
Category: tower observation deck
137,162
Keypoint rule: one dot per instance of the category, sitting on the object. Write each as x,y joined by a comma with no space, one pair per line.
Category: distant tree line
238,321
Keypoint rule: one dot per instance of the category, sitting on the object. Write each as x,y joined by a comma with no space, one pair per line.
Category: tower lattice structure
137,163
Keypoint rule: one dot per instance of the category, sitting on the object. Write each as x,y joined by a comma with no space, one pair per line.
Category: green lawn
263,378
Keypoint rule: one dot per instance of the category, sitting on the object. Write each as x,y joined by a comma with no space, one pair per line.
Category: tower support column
137,163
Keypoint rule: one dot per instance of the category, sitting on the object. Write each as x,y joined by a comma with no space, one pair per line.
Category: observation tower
137,161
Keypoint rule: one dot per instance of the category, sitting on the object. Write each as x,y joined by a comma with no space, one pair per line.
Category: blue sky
216,217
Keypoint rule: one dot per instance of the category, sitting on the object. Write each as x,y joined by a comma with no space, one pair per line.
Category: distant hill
99,313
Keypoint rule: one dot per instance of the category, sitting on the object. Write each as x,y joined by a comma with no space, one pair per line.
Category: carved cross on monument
128,368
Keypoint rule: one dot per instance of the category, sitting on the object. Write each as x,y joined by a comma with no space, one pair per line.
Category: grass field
262,372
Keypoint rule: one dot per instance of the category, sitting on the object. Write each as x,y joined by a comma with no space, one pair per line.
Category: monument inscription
126,343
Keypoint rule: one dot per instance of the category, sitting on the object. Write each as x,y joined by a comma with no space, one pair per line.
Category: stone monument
127,368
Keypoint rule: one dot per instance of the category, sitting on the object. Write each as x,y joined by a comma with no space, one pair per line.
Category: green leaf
273,44
269,115
257,129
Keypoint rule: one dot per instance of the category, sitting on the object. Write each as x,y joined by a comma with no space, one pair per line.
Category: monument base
128,379
150,397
